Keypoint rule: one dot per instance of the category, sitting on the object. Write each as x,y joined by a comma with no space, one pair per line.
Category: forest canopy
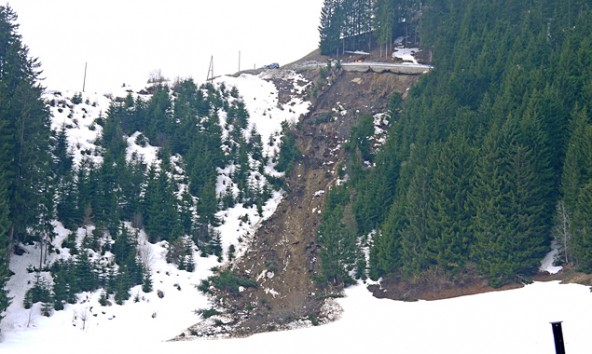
489,160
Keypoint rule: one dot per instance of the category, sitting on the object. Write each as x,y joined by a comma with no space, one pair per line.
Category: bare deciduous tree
156,77
561,232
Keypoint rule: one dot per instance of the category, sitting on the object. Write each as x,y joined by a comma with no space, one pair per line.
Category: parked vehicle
271,66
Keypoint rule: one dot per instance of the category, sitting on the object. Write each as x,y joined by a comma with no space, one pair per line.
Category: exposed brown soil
283,256
438,287
434,287
567,276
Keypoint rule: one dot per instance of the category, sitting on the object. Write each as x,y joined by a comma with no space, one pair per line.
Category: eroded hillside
283,255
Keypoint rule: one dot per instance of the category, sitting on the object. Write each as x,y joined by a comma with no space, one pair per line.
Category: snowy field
515,321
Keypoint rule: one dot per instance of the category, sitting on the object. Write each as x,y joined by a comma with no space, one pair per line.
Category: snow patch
138,145
77,113
406,54
271,291
547,262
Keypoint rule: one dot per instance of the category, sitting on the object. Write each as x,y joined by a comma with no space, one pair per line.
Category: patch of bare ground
283,254
568,275
436,286
283,257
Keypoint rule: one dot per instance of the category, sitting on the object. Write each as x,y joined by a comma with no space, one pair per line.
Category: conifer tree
207,204
67,208
108,198
416,235
122,286
510,227
385,21
131,180
330,27
189,259
84,272
60,290
186,217
24,138
489,225
25,127
337,239
449,215
161,207
47,309
385,254
577,169
159,122
147,284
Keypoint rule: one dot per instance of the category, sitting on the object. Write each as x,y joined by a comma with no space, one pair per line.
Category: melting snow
406,54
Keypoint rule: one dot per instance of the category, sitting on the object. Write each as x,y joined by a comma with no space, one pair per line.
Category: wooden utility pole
84,81
211,69
239,60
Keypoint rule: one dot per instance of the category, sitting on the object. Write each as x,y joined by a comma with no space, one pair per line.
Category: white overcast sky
123,41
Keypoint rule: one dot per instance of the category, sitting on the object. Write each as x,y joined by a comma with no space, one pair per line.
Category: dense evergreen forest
353,25
488,160
175,200
24,138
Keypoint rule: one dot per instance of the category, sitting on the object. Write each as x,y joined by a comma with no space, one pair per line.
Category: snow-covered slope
262,100
78,117
171,307
266,116
159,318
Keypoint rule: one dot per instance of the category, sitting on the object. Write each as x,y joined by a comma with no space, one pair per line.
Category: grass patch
329,296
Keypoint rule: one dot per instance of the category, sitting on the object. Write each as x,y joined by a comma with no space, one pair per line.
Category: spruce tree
25,128
62,157
67,208
416,235
161,207
24,138
489,224
147,284
207,204
122,286
47,308
61,289
449,213
84,271
337,238
330,27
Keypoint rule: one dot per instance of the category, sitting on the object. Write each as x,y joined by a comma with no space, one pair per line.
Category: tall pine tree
24,138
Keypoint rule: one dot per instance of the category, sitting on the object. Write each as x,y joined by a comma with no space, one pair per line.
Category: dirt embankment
283,256
437,286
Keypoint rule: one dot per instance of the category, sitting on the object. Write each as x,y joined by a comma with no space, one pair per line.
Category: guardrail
409,69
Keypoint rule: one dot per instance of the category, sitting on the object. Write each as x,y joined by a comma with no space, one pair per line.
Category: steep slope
283,254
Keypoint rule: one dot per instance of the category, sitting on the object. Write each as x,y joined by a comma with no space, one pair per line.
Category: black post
558,335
